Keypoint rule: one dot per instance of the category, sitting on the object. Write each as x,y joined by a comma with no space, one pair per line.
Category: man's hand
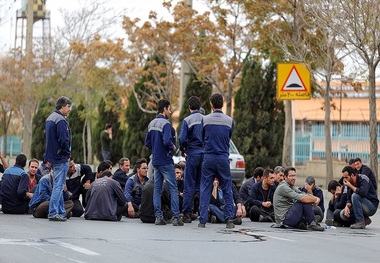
131,210
183,154
338,191
266,204
347,211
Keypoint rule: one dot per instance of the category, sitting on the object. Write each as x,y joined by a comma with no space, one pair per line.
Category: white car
237,163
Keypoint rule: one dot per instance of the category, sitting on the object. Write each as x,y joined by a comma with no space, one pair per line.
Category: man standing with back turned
217,132
58,151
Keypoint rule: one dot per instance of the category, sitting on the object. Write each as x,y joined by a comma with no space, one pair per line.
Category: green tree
45,108
108,114
259,117
77,130
197,88
137,120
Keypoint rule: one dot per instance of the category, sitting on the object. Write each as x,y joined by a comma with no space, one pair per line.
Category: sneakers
177,221
201,225
186,218
160,221
213,219
58,218
367,220
237,221
230,223
70,214
314,226
331,222
358,225
265,219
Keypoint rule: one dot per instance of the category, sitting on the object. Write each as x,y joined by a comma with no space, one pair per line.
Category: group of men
204,141
52,190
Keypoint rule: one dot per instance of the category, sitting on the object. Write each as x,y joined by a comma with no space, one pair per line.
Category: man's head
349,175
258,173
358,164
351,163
216,101
279,174
141,166
333,184
71,170
163,107
33,167
21,160
108,126
63,105
178,171
103,166
310,181
105,173
290,175
194,103
124,164
268,177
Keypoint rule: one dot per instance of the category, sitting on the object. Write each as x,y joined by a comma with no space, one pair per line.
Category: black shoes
237,221
187,218
201,225
230,223
58,218
160,221
177,221
314,226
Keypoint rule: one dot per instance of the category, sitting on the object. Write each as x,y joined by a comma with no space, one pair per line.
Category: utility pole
185,70
27,109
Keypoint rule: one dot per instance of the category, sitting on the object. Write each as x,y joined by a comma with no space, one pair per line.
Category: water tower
39,14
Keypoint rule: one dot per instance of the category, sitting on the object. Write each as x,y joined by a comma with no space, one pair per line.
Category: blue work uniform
191,142
217,132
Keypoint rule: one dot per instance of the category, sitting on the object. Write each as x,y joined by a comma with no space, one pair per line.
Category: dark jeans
42,209
23,208
77,209
255,212
297,212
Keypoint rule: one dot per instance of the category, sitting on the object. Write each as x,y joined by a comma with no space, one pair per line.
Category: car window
233,148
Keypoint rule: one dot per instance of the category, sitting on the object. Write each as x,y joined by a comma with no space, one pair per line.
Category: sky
134,8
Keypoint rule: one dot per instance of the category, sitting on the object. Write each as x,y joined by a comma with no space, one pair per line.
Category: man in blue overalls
217,132
191,144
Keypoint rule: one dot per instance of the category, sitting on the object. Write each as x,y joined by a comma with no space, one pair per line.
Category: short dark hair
357,160
106,173
33,160
178,166
266,172
258,172
139,162
351,161
349,170
108,125
216,100
62,102
310,180
194,103
21,160
332,185
286,171
104,165
162,104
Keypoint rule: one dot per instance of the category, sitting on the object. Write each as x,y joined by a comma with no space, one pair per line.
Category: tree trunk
229,100
328,146
89,142
373,121
286,149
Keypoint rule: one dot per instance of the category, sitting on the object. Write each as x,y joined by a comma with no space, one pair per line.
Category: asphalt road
26,239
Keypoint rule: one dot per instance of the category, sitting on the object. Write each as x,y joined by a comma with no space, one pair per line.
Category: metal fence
351,142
